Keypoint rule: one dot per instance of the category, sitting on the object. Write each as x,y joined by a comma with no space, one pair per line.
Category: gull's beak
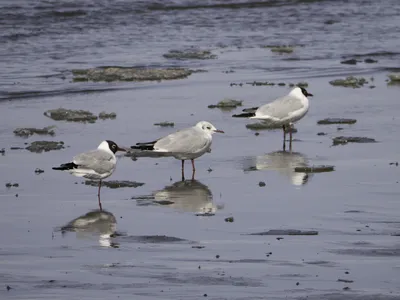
220,131
122,149
308,94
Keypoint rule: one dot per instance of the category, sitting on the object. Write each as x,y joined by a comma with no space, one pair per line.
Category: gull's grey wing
190,140
97,160
280,108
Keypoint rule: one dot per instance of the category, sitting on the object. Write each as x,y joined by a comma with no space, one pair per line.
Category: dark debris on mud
109,74
330,121
286,232
114,184
227,104
104,115
45,146
28,131
190,53
343,140
70,115
165,124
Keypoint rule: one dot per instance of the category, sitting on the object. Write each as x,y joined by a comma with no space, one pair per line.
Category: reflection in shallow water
188,195
283,162
95,223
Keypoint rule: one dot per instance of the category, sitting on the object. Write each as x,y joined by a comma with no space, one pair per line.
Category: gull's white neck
105,147
297,93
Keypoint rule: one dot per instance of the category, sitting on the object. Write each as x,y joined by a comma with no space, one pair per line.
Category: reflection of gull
97,222
283,162
189,195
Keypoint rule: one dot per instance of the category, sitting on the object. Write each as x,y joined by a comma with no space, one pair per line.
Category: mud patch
343,140
155,239
374,252
330,121
109,74
28,131
70,115
315,169
44,146
394,79
115,184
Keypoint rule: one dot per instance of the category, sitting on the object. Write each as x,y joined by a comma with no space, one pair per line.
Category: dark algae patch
165,124
314,169
286,232
70,115
343,140
227,104
114,184
104,115
45,146
350,81
329,121
109,74
188,54
28,131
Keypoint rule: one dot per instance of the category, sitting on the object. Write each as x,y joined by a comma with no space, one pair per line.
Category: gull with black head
189,143
96,164
283,111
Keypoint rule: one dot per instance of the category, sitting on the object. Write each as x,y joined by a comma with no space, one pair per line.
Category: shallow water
354,209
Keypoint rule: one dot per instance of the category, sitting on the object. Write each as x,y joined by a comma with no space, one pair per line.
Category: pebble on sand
229,219
261,184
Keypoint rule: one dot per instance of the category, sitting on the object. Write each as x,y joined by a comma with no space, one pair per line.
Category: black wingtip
245,115
67,166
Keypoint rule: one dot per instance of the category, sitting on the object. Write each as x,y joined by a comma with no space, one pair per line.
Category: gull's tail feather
245,115
144,146
251,109
67,166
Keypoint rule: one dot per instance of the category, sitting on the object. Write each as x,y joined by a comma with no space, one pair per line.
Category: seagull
283,111
189,143
95,165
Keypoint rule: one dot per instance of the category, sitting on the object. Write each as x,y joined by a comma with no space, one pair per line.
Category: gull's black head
114,147
305,93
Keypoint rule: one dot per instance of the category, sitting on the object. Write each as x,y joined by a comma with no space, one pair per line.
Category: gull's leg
290,135
183,170
284,138
98,195
193,169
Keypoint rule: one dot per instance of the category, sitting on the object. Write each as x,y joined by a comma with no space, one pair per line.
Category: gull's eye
209,128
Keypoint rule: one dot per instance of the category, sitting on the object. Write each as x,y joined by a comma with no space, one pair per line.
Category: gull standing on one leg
95,165
189,143
283,111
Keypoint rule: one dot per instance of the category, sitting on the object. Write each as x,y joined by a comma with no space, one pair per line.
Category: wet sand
354,209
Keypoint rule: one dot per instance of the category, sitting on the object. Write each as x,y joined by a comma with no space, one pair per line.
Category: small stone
261,184
205,295
330,121
343,140
370,61
8,288
372,86
302,84
16,195
217,256
2,151
227,103
257,134
321,133
281,84
349,61
38,171
297,283
279,238
229,219
394,163
346,288
209,170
